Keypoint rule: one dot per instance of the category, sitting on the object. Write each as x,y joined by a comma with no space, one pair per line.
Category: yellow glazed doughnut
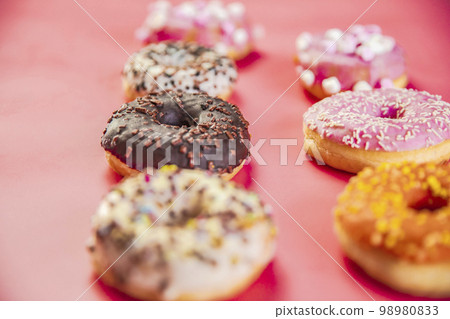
394,221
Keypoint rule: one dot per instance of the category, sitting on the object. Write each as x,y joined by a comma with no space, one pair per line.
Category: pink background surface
60,83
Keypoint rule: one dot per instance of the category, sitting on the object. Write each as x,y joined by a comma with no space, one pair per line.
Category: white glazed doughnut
196,236
176,65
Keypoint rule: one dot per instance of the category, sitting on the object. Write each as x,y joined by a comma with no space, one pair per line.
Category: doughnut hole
426,200
176,117
392,112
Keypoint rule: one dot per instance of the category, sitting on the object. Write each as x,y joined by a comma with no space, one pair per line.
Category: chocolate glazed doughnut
190,130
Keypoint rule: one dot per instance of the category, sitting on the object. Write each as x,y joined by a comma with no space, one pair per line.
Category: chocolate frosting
141,132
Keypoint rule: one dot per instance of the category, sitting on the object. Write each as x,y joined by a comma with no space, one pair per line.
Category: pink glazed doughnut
360,59
352,130
226,28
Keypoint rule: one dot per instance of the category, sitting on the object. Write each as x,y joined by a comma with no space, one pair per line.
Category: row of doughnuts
176,228
369,125
393,218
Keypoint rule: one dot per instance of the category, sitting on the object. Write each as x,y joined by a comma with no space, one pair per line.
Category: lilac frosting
362,54
381,120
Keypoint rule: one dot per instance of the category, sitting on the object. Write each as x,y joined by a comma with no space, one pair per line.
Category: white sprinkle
308,78
347,44
155,70
240,36
331,85
221,48
333,34
362,86
328,45
188,9
365,52
304,58
436,133
236,9
158,20
303,41
380,44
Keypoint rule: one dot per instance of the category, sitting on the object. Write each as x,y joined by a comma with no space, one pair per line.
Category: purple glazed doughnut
360,59
352,130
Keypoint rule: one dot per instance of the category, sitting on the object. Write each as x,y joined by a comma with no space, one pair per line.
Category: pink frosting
381,120
360,54
213,24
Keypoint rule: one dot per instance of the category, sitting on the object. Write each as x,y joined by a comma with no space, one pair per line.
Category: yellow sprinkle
378,209
273,231
353,210
216,242
446,238
395,223
406,170
433,182
395,198
410,185
168,168
390,241
382,167
363,187
191,223
145,219
382,226
436,187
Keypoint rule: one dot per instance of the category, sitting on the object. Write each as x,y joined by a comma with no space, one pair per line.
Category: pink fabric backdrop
60,83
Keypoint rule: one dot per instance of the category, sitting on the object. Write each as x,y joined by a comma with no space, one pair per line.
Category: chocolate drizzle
173,65
161,128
